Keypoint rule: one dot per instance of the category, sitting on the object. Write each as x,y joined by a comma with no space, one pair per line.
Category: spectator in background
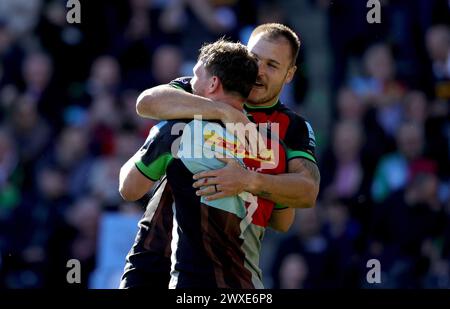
29,130
393,170
40,89
10,175
343,172
105,77
64,42
128,111
71,154
84,215
308,242
349,36
381,95
438,46
167,62
406,222
342,231
199,21
103,181
350,106
11,57
104,121
31,134
34,224
293,272
21,16
379,88
438,275
345,176
10,197
96,107
139,36
74,237
415,107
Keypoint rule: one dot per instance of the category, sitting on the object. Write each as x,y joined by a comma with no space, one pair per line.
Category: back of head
232,64
275,31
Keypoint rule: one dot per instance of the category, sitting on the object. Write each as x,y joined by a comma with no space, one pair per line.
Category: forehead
199,68
277,49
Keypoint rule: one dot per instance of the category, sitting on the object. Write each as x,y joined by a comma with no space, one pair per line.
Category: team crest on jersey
238,149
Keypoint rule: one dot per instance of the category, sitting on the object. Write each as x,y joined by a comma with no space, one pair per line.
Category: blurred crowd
68,123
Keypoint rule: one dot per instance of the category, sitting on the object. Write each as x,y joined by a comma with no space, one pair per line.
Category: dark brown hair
232,64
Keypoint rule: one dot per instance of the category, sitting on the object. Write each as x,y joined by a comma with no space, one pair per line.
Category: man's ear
214,84
290,74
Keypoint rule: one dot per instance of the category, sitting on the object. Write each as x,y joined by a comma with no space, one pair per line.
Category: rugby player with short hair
214,243
276,48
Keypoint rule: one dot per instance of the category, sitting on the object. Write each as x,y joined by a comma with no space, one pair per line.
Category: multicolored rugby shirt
156,224
296,133
217,243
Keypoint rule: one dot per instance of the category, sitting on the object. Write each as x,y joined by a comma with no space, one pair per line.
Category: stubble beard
268,99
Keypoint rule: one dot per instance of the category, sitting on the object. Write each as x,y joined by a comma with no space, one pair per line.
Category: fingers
216,196
211,191
212,173
206,191
205,182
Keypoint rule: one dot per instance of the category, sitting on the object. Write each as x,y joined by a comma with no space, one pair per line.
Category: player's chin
256,94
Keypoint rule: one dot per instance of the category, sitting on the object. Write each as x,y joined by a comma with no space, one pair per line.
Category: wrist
252,182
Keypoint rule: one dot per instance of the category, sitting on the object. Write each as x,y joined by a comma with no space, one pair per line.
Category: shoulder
183,83
296,119
166,130
298,126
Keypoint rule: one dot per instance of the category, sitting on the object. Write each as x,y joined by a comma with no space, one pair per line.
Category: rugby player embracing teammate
276,47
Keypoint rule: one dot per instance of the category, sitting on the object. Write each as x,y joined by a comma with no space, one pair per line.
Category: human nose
261,69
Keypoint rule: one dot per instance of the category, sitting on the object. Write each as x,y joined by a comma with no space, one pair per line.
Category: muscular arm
297,189
132,184
282,219
166,102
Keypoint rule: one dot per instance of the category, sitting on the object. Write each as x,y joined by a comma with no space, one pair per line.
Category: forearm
165,102
297,189
132,184
292,190
282,219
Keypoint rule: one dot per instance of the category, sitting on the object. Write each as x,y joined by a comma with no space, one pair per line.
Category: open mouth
258,85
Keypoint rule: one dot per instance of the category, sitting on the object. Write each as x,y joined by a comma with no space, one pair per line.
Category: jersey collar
249,107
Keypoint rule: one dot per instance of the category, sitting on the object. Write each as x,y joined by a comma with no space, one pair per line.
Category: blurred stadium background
377,96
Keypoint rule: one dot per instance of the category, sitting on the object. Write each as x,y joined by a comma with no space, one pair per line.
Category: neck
233,101
264,104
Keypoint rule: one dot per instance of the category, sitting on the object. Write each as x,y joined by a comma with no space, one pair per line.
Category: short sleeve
155,155
300,140
183,83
